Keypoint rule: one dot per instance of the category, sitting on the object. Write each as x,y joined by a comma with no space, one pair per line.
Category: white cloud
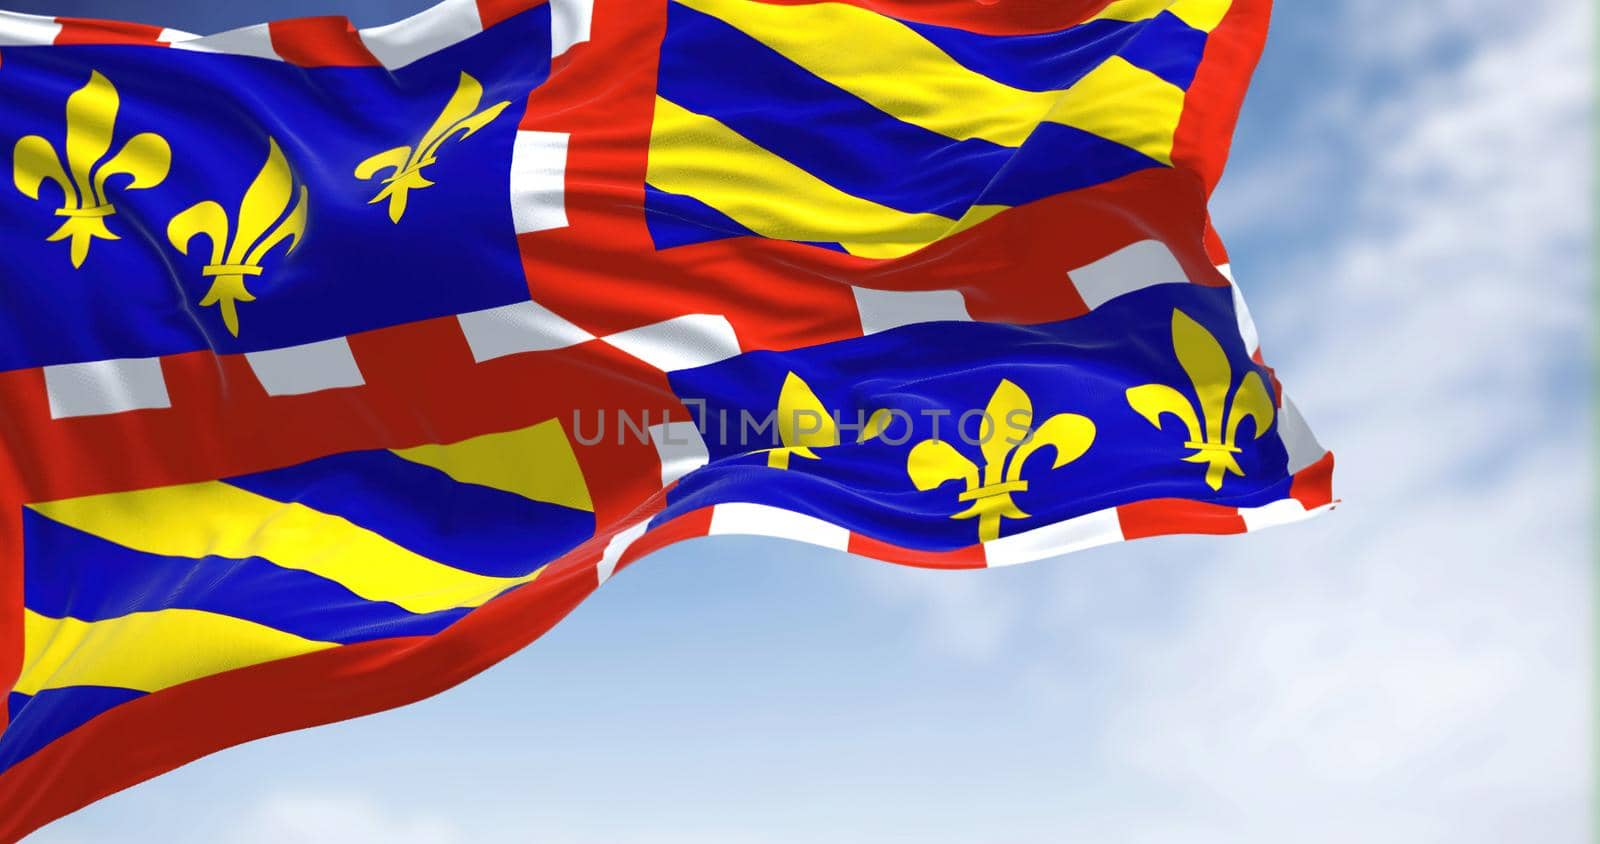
1415,666
959,614
294,818
1412,668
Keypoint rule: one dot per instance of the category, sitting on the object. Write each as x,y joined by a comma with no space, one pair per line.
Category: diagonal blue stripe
39,719
1036,170
67,572
714,69
678,220
1051,61
467,526
1169,48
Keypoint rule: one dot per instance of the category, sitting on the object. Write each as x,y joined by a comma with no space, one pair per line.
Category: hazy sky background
1408,210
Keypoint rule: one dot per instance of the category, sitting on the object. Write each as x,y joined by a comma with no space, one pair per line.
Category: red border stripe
1211,107
93,31
491,12
1313,485
971,557
1163,516
239,427
326,41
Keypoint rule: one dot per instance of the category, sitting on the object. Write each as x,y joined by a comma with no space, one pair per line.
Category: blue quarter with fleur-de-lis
1069,441
271,212
84,167
1006,439
186,128
1212,417
460,119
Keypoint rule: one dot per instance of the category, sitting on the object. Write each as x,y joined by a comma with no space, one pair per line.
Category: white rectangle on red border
681,342
1134,267
1087,531
427,32
743,519
569,24
539,181
19,30
616,548
882,310
1279,512
517,328
308,368
1298,440
175,36
254,41
98,387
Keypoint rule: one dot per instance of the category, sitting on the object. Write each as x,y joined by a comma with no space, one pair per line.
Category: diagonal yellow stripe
1126,104
216,519
699,156
889,65
1203,15
146,651
536,463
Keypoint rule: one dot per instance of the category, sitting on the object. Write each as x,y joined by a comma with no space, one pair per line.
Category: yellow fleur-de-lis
265,220
1210,418
1008,441
91,124
460,117
798,409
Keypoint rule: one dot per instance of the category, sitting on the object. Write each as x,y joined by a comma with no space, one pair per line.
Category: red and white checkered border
691,340
391,46
1310,496
97,388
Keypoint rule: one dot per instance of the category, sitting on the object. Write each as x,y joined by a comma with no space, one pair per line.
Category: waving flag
337,364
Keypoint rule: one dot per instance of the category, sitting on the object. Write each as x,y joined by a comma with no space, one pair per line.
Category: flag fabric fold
337,364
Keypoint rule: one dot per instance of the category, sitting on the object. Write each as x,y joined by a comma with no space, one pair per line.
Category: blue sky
1408,210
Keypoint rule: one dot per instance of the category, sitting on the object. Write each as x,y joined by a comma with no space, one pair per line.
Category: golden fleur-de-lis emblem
405,164
91,125
1211,418
265,220
1008,441
804,423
